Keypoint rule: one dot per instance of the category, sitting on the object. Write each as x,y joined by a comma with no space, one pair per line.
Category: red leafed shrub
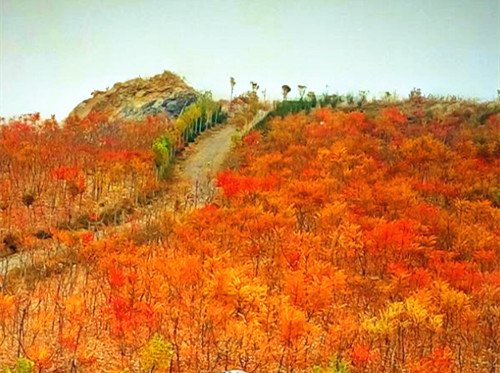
65,173
346,241
252,138
116,278
440,361
361,355
323,115
234,185
393,114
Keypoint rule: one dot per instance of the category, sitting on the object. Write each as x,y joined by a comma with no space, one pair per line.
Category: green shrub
23,365
163,149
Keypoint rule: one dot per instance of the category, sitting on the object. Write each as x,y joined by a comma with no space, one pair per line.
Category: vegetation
351,238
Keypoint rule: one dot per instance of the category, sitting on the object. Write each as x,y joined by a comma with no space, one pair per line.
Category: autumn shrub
345,241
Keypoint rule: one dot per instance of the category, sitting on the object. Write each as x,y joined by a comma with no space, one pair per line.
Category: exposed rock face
135,99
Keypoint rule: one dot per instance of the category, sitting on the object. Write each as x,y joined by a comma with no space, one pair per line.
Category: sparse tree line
196,118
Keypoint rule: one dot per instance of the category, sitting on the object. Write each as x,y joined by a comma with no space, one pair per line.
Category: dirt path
200,166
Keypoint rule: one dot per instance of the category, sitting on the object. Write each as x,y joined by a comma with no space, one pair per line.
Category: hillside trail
192,185
205,159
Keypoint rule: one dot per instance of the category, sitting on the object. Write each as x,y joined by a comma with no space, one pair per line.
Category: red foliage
65,173
344,240
361,355
440,361
252,139
235,185
393,114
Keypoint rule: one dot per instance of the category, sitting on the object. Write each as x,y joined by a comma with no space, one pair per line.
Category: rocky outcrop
135,99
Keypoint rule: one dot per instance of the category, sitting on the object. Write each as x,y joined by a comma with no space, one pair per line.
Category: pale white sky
54,53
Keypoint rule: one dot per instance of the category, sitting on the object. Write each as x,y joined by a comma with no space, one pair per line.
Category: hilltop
164,93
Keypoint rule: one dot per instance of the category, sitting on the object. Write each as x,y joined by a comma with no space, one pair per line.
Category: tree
264,91
312,97
302,90
232,82
286,90
255,86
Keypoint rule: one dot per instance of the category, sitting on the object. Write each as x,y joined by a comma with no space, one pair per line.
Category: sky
54,53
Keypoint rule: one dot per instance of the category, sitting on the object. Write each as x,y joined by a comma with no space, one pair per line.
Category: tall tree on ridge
286,90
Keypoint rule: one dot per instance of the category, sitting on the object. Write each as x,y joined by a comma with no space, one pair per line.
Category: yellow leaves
324,153
423,149
338,152
451,299
331,216
381,325
350,238
415,311
436,322
190,114
159,308
156,354
313,292
7,303
244,295
116,172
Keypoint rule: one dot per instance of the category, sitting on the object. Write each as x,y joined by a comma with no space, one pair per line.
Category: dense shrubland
90,172
346,241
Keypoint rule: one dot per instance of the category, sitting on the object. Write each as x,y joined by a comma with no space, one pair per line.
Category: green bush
193,120
291,107
164,152
23,365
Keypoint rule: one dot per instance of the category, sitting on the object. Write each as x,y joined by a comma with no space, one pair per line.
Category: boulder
137,98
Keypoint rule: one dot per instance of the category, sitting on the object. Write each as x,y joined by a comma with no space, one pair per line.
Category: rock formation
136,98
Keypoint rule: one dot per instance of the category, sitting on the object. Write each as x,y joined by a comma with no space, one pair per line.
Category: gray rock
137,98
175,105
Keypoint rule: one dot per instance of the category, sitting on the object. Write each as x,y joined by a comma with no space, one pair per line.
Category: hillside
340,239
134,99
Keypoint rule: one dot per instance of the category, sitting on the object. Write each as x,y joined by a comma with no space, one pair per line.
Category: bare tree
233,83
302,90
255,86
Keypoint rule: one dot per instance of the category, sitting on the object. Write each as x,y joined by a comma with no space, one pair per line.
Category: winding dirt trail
200,167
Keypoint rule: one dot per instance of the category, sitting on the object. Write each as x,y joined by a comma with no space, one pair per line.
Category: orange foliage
366,241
